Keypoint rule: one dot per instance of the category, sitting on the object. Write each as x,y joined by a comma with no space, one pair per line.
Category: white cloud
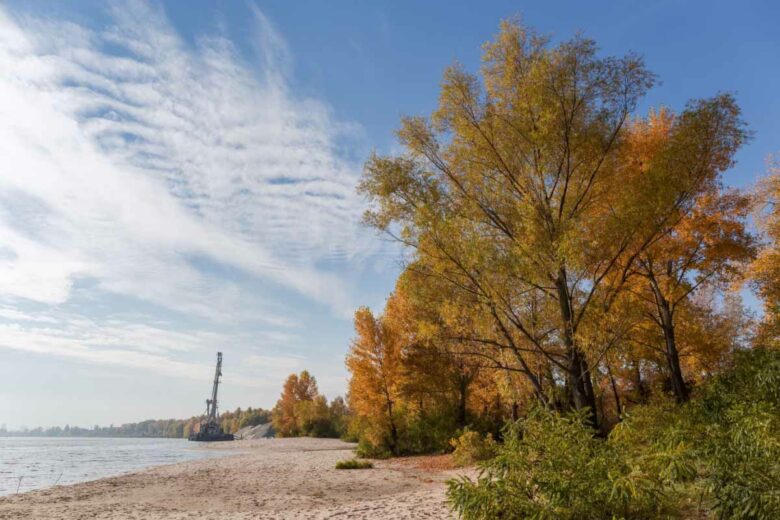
154,348
152,169
134,158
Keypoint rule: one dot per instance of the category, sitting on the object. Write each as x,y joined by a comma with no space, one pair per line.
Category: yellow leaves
297,389
459,101
765,270
645,138
535,204
374,362
508,60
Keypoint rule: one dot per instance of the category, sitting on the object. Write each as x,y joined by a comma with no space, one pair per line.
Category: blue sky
177,178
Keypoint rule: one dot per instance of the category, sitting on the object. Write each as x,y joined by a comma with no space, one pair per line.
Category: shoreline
292,478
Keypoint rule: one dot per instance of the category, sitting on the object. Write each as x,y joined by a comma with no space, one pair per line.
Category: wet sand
266,478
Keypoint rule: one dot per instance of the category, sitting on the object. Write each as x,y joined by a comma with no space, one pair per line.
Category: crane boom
212,412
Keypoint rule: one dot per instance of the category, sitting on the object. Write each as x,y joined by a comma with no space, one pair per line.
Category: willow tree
765,271
518,191
705,243
710,247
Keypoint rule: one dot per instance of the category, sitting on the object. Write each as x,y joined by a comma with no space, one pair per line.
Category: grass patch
354,464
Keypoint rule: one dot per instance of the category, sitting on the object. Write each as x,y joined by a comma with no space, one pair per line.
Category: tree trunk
463,391
666,317
578,378
391,420
639,384
555,394
616,395
393,429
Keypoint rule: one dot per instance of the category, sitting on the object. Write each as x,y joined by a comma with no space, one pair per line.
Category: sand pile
261,431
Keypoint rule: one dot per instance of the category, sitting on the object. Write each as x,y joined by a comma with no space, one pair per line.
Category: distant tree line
163,428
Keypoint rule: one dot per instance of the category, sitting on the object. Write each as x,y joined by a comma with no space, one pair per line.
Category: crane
210,429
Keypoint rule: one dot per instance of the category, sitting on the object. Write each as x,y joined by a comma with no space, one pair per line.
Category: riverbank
266,478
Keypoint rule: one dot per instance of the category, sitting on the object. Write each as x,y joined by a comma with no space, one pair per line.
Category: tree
374,360
709,247
441,368
313,418
302,411
306,387
297,389
522,193
339,416
765,271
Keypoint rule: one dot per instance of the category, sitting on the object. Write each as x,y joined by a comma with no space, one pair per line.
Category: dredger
210,429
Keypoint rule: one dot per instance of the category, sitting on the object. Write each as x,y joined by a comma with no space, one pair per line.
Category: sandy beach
265,478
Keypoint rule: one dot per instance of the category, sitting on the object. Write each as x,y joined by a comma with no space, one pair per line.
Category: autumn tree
706,245
306,387
283,414
436,366
313,418
374,362
518,193
765,271
709,248
297,389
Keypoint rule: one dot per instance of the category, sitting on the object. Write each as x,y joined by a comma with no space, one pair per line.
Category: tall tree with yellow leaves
709,247
765,271
517,192
297,389
375,364
707,244
439,367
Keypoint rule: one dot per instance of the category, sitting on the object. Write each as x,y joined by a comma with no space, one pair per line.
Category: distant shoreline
27,436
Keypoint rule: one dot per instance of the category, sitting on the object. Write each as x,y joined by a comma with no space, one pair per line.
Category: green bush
416,433
718,455
354,464
551,466
472,447
369,451
429,433
736,422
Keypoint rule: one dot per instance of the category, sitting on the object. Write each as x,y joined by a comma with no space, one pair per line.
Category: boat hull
211,437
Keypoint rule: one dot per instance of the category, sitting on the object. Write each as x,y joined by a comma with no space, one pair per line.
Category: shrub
354,464
416,433
736,421
429,433
472,447
368,450
719,453
312,418
552,466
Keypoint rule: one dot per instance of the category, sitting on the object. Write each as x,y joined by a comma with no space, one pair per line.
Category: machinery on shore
210,429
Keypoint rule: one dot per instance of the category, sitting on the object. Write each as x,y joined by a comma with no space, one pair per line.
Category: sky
177,178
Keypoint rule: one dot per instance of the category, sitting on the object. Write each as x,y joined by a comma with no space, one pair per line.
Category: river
29,463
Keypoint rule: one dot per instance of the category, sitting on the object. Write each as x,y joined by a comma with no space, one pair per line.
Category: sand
265,478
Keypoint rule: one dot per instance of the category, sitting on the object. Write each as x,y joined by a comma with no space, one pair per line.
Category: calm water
46,461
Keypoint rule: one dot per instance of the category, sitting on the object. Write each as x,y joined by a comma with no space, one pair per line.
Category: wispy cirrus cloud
150,167
163,348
